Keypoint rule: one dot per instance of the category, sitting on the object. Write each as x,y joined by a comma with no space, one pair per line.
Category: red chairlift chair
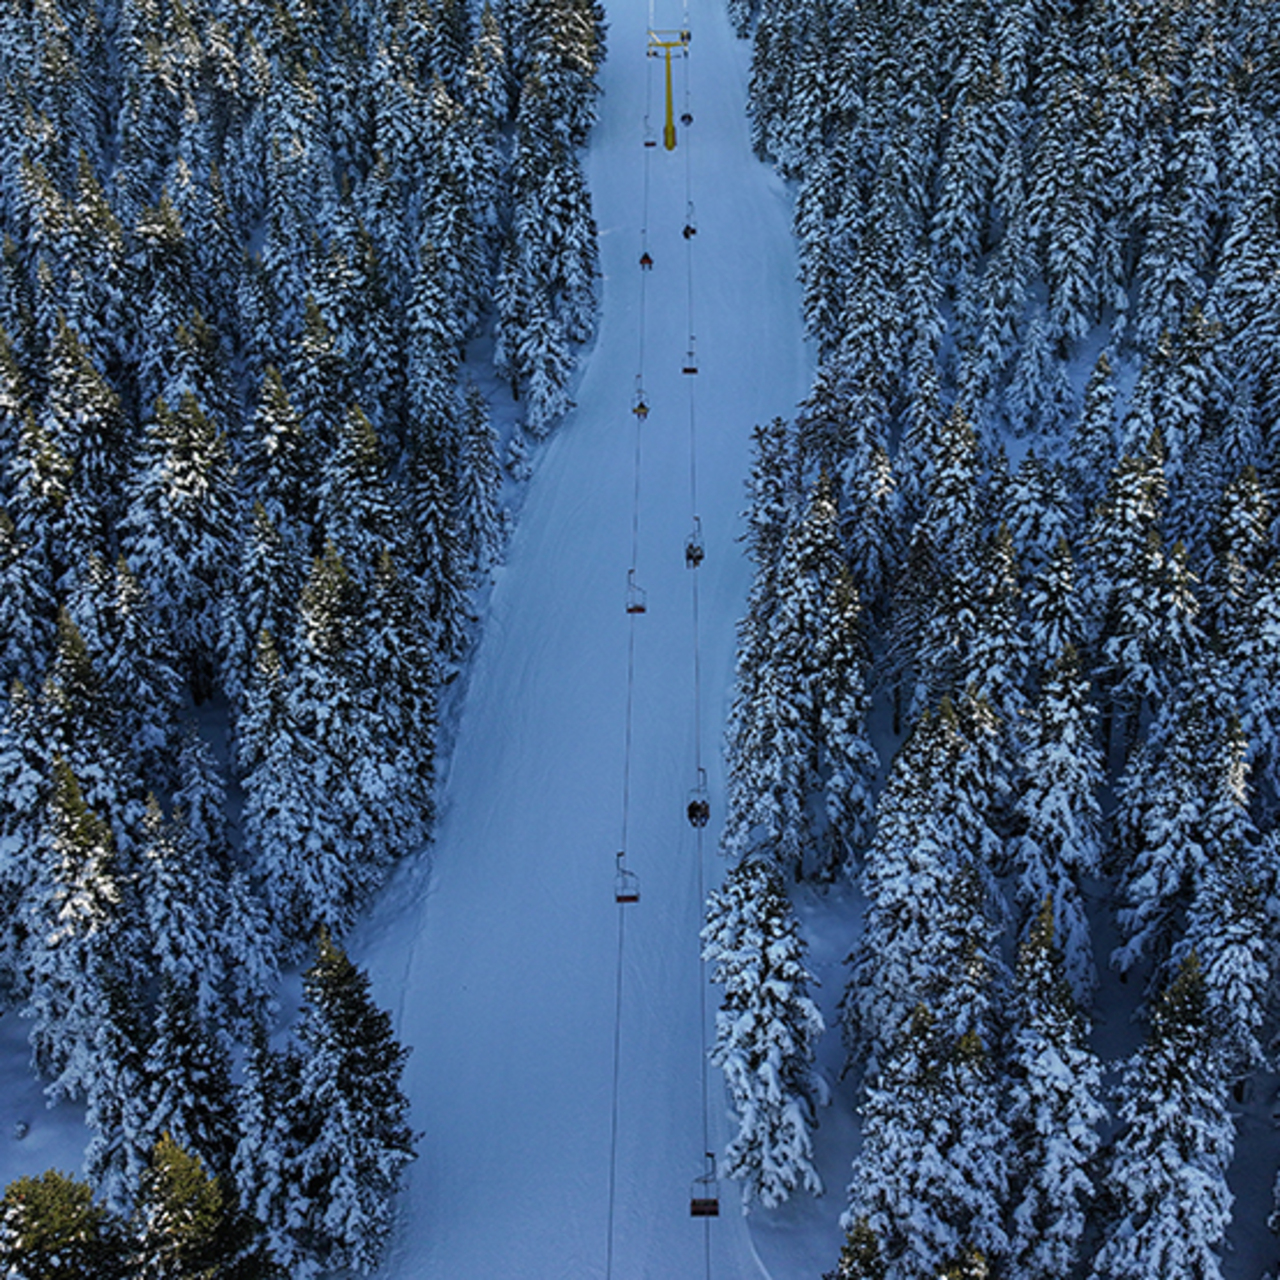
626,885
704,1195
636,599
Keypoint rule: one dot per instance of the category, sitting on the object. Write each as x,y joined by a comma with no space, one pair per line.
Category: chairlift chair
626,885
699,807
646,261
636,599
686,117
694,551
690,360
640,405
704,1195
690,223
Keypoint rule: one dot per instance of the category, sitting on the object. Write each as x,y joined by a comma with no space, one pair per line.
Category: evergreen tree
26,610
74,938
765,1034
351,1137
1054,1112
480,516
51,1229
179,528
184,1225
1167,1172
1061,840
931,1177
849,759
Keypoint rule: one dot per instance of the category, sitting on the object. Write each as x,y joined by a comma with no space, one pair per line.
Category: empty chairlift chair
704,1195
636,600
691,358
690,222
699,807
626,884
694,550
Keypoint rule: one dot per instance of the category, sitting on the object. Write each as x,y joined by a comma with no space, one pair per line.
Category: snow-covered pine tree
357,503
49,514
184,1224
766,1031
83,415
433,342
932,920
178,534
351,1139
860,1255
24,783
133,659
26,610
1054,1109
187,1071
1055,612
436,556
480,516
279,466
50,1226
73,938
1166,1177
1092,445
261,596
930,1180
849,760
1060,817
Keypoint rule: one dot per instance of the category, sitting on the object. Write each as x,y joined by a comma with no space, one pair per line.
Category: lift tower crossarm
667,43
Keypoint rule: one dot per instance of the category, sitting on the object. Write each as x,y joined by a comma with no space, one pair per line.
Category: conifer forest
295,300
249,484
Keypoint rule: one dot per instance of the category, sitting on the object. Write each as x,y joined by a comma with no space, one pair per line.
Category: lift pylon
664,44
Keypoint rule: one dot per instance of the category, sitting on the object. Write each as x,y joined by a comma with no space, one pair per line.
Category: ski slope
500,959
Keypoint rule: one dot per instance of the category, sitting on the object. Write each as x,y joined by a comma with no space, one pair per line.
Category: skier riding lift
699,807
694,551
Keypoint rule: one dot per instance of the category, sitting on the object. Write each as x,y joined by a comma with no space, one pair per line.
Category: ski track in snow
503,956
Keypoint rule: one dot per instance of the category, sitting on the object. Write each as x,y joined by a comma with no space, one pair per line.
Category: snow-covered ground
499,959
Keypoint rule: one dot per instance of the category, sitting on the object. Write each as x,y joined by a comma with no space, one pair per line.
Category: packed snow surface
499,959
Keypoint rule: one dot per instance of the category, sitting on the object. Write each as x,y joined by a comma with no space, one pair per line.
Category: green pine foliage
52,1229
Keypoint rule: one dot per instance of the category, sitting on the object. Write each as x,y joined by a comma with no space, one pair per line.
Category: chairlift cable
616,1090
705,1092
617,1075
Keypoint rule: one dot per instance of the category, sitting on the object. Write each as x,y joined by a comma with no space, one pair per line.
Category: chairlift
690,223
694,551
699,806
690,359
639,405
646,261
626,885
704,1195
636,600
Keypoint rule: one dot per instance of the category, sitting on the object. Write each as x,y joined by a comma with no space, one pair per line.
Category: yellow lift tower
666,43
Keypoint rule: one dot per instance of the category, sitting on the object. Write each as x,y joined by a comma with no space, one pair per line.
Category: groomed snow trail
500,963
